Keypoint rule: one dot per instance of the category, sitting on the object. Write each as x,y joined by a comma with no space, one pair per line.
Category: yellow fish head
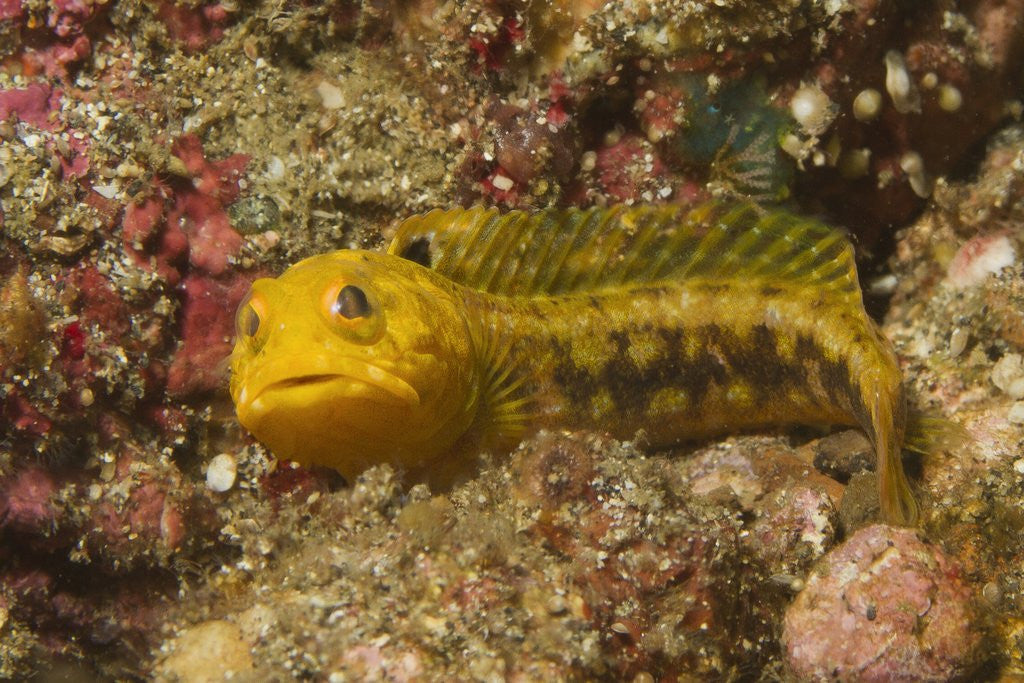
354,358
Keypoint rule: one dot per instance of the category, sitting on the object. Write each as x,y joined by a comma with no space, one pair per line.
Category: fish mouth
351,375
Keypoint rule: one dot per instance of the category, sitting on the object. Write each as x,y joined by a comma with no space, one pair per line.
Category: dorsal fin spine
586,277
550,236
480,226
560,251
601,237
499,261
646,235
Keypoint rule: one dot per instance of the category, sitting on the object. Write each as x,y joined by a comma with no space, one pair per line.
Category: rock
844,454
883,606
795,526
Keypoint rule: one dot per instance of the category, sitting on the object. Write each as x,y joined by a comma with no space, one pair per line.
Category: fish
477,328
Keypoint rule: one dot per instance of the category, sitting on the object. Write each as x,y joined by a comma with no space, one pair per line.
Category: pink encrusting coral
58,40
193,26
40,105
187,218
207,332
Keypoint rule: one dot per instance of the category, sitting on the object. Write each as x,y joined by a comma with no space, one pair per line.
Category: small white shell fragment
275,168
884,285
958,341
503,183
1008,375
330,95
221,472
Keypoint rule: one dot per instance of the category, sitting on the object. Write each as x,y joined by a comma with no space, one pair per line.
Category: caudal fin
923,434
888,421
895,497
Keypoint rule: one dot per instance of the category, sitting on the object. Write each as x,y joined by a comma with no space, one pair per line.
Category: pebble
86,398
503,183
220,473
1016,414
812,109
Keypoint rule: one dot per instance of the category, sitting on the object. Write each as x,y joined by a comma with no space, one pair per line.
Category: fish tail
897,500
924,434
888,418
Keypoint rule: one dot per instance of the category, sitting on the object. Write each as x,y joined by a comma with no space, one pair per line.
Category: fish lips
321,379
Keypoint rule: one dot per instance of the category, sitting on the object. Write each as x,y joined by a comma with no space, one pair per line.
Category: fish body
478,328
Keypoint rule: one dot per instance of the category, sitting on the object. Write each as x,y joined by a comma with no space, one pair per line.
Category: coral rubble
157,157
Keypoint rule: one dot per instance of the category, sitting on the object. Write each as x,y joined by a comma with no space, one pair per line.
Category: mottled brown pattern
723,356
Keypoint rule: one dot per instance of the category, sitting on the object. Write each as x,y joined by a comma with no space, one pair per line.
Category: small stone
950,98
254,215
106,191
1016,414
557,605
220,473
867,104
812,109
992,593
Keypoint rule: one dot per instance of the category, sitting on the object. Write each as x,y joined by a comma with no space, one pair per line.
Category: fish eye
353,311
351,303
247,319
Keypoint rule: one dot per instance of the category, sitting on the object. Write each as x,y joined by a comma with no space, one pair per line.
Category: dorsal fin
563,251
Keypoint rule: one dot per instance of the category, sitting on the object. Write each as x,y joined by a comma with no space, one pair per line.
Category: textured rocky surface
156,157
